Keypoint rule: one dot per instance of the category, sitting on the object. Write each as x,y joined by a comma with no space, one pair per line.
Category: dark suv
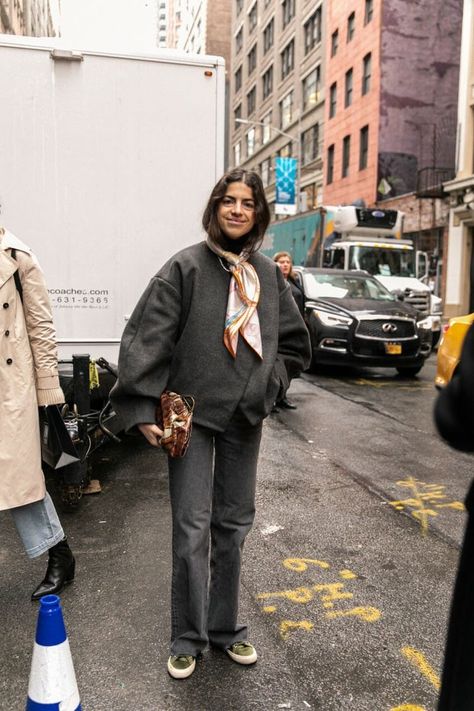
354,320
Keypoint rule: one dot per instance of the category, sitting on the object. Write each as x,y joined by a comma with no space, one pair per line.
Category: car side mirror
400,296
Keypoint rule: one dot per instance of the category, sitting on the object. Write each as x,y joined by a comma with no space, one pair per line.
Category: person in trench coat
454,417
28,379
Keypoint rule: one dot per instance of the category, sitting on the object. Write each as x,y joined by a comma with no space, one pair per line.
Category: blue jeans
38,526
212,491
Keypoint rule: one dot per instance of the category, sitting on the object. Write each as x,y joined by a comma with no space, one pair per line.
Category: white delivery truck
107,159
106,162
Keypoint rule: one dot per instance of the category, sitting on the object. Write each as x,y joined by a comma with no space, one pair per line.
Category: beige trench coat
28,373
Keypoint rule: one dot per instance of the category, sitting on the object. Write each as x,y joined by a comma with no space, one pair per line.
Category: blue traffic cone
52,684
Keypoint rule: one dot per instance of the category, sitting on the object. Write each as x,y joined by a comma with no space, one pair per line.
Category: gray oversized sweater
174,341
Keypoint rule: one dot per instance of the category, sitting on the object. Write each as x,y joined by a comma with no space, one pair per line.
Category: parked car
354,320
449,351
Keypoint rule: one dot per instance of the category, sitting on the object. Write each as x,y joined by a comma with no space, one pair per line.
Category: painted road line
418,660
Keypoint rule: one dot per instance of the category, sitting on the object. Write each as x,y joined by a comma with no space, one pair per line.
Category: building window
369,11
351,21
330,165
253,17
268,36
237,115
310,144
364,148
366,73
250,139
286,151
237,153
287,59
348,88
346,155
238,78
266,128
251,101
239,40
267,81
265,169
238,6
332,100
334,42
252,59
312,31
286,110
288,8
312,88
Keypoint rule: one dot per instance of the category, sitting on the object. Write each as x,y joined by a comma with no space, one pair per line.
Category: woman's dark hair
262,211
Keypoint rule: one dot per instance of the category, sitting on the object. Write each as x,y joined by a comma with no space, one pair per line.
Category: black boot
60,571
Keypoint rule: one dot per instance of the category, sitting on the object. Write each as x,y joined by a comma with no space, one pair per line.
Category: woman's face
236,211
285,265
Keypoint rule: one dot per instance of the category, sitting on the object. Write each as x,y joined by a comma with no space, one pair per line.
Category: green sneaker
181,666
242,653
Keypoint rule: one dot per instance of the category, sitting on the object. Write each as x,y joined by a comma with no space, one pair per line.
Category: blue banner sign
285,203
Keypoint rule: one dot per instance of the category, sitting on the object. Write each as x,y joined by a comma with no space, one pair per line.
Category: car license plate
393,348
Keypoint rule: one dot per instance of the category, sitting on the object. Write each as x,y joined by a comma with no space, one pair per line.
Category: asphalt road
347,573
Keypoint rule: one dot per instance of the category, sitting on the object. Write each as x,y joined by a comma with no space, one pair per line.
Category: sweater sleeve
40,329
294,348
454,408
145,353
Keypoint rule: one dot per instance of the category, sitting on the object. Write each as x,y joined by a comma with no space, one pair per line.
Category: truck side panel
106,165
300,236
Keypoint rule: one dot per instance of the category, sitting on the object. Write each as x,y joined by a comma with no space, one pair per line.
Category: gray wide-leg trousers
212,491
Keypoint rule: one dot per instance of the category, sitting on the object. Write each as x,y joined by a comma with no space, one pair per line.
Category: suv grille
420,300
373,328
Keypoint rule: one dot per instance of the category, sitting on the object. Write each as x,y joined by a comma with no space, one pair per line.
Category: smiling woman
218,322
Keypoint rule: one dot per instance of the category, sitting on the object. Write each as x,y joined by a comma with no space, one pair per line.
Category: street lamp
296,139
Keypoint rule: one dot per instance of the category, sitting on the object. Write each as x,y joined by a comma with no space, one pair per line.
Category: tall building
27,17
391,92
201,27
459,298
162,23
277,92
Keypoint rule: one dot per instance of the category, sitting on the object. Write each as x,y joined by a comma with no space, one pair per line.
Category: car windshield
383,261
344,286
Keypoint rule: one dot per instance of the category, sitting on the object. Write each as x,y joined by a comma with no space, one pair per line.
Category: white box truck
106,162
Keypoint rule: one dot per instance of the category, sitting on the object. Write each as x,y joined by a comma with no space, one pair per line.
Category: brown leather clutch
174,416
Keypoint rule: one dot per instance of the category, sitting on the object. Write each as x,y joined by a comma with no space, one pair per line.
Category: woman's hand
152,433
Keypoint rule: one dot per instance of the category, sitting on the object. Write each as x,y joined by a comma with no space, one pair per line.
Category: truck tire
409,371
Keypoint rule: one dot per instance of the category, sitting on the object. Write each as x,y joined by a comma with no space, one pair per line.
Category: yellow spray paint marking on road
418,660
333,592
299,565
328,594
367,614
287,626
301,595
425,500
409,707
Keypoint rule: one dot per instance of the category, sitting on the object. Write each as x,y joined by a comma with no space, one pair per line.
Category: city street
347,574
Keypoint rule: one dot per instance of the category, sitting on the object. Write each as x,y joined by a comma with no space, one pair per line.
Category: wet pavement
347,573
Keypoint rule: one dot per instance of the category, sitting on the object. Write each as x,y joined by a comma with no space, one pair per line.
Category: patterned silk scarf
244,293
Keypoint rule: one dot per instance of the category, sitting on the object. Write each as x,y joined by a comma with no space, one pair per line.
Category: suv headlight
329,319
425,324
